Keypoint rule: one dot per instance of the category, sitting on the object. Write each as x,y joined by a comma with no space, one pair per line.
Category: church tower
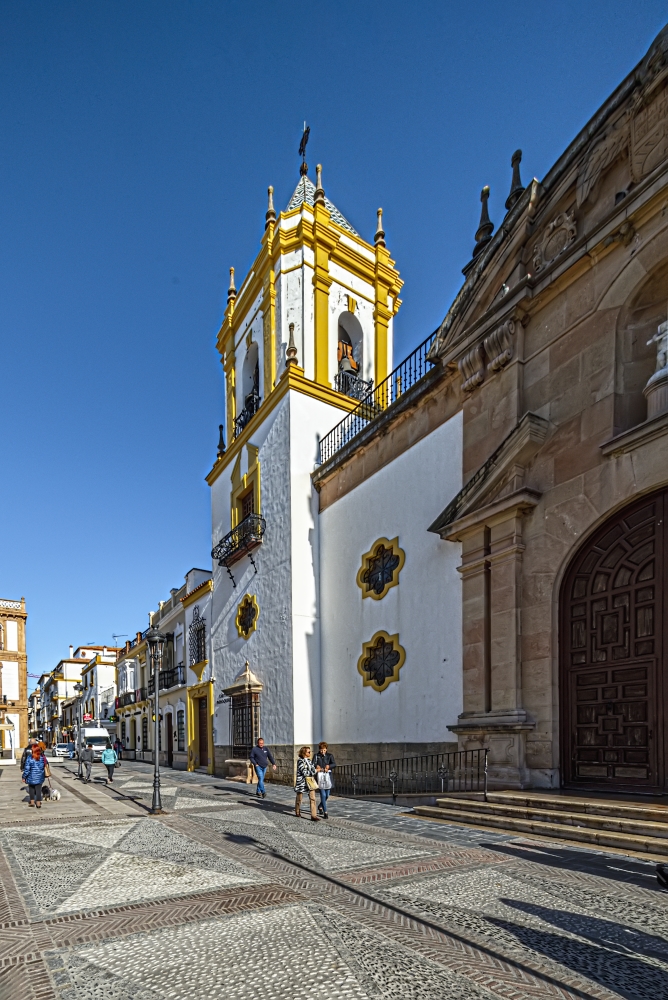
305,336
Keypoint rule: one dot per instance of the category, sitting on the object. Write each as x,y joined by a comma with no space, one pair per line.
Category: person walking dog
109,758
260,758
324,765
87,757
306,781
34,774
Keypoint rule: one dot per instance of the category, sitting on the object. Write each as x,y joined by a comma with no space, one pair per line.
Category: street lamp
155,641
78,687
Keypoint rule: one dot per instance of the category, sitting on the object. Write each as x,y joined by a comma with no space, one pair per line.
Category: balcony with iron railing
352,385
240,541
251,406
375,401
172,677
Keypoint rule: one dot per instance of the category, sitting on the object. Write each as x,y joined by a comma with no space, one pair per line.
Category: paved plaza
227,896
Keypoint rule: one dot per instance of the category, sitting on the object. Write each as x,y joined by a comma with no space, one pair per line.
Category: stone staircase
624,825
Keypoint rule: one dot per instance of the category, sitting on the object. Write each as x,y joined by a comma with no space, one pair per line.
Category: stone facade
13,676
556,334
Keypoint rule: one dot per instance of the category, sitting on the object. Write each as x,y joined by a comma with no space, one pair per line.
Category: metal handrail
240,540
426,774
375,402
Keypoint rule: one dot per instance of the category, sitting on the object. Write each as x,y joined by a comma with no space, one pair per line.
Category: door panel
203,733
612,645
170,739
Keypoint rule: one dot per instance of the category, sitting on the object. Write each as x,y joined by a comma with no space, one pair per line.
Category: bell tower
305,336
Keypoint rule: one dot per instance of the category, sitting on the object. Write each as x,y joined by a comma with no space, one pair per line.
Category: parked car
60,750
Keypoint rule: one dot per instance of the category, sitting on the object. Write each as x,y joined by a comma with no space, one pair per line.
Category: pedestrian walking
86,756
109,758
306,781
324,765
260,758
27,751
118,747
34,774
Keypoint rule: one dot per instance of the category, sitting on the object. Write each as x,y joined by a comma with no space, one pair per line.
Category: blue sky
138,143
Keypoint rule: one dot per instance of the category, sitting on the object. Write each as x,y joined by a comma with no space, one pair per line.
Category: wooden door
170,739
612,639
203,732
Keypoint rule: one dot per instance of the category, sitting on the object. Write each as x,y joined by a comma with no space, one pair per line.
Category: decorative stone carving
247,616
656,390
649,136
601,156
499,345
557,237
381,660
472,368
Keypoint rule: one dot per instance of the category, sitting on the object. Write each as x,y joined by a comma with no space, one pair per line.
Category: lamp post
78,687
155,641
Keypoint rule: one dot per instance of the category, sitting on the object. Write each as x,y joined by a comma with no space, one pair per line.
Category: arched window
250,387
350,358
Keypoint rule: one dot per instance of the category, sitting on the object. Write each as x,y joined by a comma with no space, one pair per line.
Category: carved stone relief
499,345
472,368
557,237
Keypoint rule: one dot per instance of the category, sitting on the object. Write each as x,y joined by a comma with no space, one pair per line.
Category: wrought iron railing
251,406
168,679
127,698
140,694
352,385
428,774
239,542
375,402
138,638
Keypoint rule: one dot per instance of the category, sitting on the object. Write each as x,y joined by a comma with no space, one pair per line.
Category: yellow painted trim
204,690
252,599
241,485
290,379
388,544
197,593
394,639
269,331
198,669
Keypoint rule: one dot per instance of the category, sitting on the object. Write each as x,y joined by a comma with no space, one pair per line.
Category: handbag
324,779
117,763
47,769
311,784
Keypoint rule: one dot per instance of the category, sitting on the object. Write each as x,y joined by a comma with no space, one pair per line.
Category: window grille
245,723
197,638
144,732
181,730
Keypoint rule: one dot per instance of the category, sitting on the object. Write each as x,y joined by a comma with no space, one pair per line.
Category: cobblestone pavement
226,895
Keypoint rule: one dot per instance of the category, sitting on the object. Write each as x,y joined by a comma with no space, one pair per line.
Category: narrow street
228,896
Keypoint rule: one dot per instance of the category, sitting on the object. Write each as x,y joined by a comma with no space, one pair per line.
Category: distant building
13,676
186,734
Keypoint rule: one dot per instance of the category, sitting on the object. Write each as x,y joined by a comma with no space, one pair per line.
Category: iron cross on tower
303,170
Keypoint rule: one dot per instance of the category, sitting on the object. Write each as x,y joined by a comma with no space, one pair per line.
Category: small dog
50,793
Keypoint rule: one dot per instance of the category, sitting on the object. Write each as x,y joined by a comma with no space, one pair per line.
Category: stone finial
319,197
291,353
231,291
486,228
656,390
271,211
221,441
379,238
516,186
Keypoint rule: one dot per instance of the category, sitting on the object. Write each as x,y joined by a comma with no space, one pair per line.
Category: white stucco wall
425,608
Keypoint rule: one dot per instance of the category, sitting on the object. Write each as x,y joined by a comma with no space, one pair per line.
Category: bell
345,365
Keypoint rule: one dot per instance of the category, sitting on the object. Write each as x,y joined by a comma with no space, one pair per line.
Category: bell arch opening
612,632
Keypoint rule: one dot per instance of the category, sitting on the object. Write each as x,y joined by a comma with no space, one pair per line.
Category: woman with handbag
324,765
306,781
34,773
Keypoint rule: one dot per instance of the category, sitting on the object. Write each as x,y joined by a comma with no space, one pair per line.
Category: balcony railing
141,694
375,402
137,639
434,773
127,698
351,385
251,406
168,678
239,542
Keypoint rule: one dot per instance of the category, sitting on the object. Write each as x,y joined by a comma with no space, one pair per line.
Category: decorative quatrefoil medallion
381,567
381,660
247,616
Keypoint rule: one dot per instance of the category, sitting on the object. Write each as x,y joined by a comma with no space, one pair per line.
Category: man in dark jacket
87,757
260,758
27,752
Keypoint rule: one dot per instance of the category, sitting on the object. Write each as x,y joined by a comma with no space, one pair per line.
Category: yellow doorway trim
204,690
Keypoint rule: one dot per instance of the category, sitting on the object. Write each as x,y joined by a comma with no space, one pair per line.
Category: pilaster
323,244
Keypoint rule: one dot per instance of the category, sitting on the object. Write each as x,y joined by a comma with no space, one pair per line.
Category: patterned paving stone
123,878
184,802
97,835
49,875
332,854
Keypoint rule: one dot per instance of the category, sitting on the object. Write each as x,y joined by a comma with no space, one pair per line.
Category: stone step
607,821
559,831
646,811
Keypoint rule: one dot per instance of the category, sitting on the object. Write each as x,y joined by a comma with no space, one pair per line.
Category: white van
96,735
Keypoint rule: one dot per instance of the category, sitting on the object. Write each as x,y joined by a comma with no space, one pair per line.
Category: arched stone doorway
614,682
